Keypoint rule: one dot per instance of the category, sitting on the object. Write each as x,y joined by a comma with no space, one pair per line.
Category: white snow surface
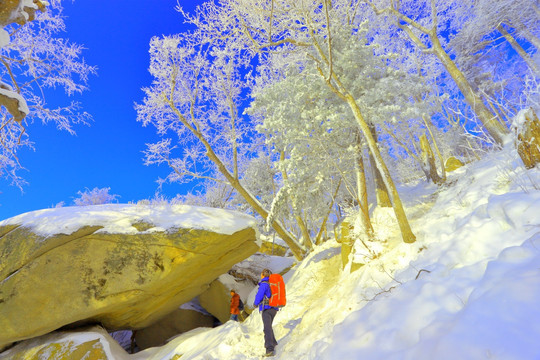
119,219
468,288
4,37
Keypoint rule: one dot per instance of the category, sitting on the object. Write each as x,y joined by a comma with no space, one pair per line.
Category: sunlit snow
467,289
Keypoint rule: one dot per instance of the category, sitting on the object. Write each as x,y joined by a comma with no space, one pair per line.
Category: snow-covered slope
467,289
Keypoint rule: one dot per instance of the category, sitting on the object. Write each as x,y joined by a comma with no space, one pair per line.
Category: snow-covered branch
31,59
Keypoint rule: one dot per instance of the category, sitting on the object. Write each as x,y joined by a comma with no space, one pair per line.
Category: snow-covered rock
94,343
124,266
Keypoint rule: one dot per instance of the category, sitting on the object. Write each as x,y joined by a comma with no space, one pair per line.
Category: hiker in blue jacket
268,312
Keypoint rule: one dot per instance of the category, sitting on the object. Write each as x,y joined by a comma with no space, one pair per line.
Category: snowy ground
469,288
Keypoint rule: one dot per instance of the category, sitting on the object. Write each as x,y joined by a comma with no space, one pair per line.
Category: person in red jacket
235,302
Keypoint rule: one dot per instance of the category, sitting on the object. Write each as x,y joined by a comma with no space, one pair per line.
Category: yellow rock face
121,281
66,346
528,144
216,300
272,249
452,164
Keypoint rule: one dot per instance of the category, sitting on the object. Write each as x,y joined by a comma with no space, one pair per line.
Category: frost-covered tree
33,58
304,120
516,20
306,29
194,104
96,196
425,22
494,41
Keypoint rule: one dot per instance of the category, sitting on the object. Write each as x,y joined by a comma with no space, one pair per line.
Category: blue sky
108,153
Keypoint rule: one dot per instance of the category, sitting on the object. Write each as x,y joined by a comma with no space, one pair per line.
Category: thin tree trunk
362,194
381,192
490,122
519,49
300,222
297,249
439,155
429,160
305,232
504,112
411,153
325,220
500,116
406,231
527,34
361,176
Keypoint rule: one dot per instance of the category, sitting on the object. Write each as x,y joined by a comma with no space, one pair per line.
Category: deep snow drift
467,289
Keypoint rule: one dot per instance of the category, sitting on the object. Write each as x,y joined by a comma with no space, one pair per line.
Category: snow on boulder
94,343
124,266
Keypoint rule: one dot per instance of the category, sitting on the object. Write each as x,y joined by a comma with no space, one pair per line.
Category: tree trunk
325,220
305,232
502,117
428,160
406,232
381,192
297,249
361,177
527,34
299,221
490,122
519,49
362,195
439,155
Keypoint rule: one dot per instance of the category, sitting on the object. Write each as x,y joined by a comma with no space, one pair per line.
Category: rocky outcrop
528,138
271,248
94,343
216,300
18,11
452,163
123,280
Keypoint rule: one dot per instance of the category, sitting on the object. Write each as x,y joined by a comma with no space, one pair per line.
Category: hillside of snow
468,288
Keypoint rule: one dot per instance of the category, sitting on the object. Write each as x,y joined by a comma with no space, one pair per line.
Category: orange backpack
277,287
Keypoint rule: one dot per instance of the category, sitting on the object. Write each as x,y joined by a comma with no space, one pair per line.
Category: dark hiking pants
269,338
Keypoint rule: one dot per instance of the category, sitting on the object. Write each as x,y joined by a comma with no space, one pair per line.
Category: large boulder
452,164
216,300
93,344
124,266
527,129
